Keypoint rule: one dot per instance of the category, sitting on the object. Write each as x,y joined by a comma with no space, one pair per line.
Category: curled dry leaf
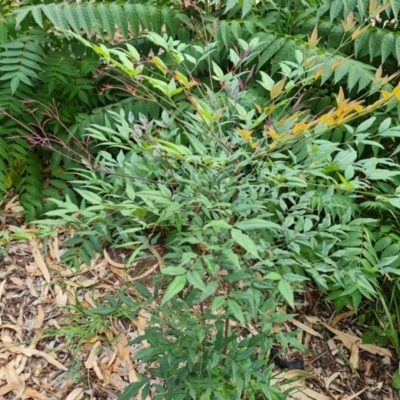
354,396
92,355
2,284
33,352
341,316
305,328
111,262
97,371
148,272
354,357
40,318
348,339
368,364
39,260
61,296
332,378
76,394
14,381
32,393
16,328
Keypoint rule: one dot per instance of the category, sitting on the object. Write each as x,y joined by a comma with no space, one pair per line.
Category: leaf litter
41,357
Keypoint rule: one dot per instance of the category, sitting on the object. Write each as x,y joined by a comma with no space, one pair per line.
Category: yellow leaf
295,116
300,128
378,10
346,184
386,95
358,32
372,6
313,39
349,22
277,89
309,62
268,110
319,71
271,132
273,145
181,78
340,97
8,181
337,64
378,73
247,136
328,119
359,108
160,65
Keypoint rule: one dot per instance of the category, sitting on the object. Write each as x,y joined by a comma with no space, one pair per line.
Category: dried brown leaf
40,318
39,260
354,356
305,328
341,316
348,339
76,394
33,352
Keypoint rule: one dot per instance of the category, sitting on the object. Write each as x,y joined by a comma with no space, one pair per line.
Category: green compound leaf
174,288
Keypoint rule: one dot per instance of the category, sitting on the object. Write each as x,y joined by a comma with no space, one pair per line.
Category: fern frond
103,17
20,61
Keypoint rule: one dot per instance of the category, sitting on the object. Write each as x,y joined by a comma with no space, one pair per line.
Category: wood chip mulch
48,351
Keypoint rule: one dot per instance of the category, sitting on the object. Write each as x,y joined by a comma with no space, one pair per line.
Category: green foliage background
123,158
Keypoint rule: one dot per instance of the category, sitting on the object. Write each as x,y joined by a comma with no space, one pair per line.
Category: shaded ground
53,346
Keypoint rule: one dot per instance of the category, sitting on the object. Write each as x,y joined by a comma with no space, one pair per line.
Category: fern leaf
107,19
375,43
156,19
327,70
21,14
335,37
323,29
270,51
72,18
3,32
144,16
58,69
133,19
285,53
360,44
323,8
362,7
382,243
365,80
37,16
55,14
349,5
353,77
395,7
387,46
391,250
336,7
397,49
341,71
20,61
171,21
120,19
83,18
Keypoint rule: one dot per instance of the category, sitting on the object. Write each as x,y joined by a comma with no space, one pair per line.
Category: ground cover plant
259,158
244,209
